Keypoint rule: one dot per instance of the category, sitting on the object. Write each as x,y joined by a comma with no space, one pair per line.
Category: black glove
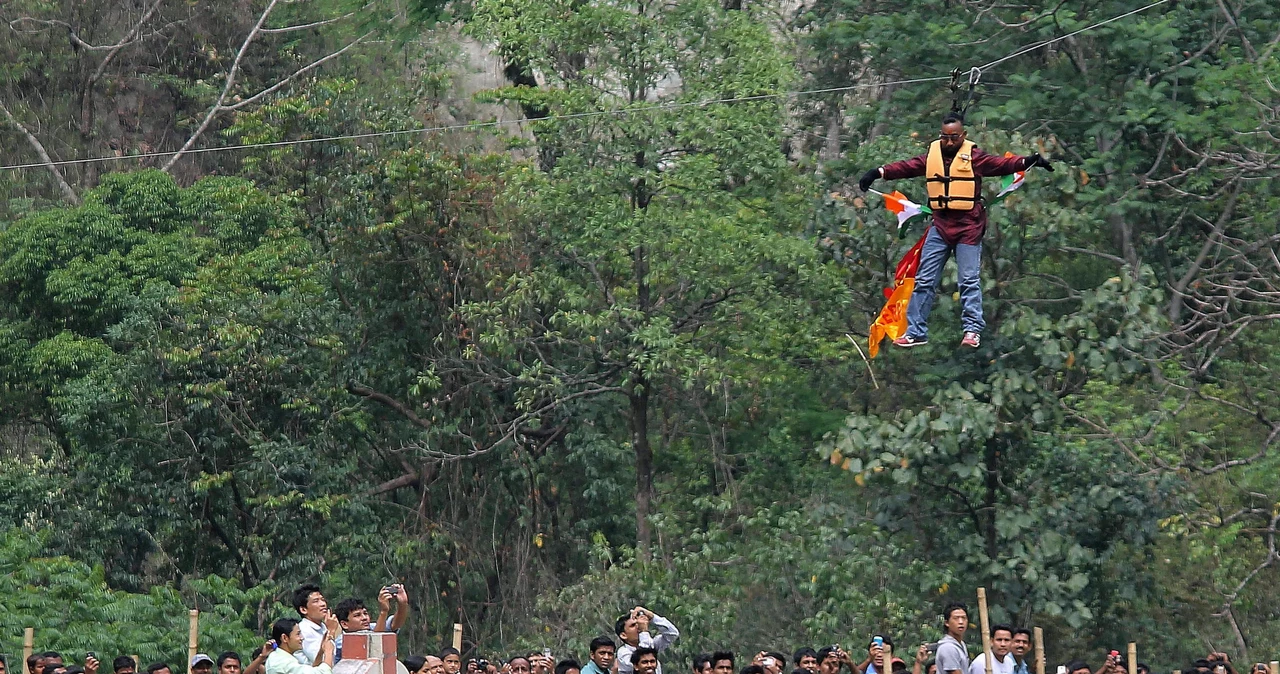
1034,160
867,178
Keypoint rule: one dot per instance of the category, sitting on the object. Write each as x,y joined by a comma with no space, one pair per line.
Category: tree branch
67,192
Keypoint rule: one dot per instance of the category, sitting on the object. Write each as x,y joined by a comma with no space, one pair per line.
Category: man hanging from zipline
953,169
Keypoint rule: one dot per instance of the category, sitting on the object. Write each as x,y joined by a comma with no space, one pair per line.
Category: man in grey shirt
953,655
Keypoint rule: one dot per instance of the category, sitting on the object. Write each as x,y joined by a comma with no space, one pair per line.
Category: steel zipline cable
976,72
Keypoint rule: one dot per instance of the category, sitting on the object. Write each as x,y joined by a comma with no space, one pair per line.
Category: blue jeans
933,255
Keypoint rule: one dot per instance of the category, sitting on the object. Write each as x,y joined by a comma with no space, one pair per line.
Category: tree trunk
639,398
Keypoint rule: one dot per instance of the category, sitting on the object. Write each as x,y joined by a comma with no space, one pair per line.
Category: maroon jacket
960,226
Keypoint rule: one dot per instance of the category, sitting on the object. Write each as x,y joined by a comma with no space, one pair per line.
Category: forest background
544,370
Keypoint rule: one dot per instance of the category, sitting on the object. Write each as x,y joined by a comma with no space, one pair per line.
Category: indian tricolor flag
892,321
904,208
1010,182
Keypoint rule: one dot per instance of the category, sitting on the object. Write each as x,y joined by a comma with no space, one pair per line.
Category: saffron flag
892,321
1010,182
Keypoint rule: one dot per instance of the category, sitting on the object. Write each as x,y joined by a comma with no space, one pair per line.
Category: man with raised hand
633,630
953,169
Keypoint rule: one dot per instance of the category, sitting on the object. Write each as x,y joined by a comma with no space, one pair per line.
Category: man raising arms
953,169
633,630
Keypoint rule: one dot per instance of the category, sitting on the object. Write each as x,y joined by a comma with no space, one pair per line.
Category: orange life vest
952,187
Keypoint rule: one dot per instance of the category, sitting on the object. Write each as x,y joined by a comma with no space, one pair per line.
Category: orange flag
892,321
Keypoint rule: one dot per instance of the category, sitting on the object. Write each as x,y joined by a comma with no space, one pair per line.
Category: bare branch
295,75
226,89
313,24
67,192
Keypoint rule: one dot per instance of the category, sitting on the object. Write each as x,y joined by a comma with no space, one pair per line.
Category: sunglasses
950,136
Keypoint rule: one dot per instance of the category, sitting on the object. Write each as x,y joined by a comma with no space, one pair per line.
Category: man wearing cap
201,664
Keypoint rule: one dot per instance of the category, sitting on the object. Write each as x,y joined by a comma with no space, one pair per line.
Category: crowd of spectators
311,643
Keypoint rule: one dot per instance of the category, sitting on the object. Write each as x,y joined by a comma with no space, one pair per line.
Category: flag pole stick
1133,658
1039,633
28,644
457,637
986,632
193,637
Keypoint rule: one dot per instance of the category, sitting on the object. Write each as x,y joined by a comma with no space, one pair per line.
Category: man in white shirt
287,635
633,630
1002,661
312,610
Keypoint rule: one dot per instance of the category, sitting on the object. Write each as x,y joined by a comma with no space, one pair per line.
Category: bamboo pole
137,664
1133,658
1039,634
1275,667
457,637
986,631
28,646
193,637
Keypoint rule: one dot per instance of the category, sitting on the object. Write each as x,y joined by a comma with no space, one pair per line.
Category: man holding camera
633,630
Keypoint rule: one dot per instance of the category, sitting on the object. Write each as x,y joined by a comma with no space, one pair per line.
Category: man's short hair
302,594
344,608
1144,667
953,118
228,655
51,654
600,642
826,652
32,660
564,666
803,653
621,623
752,669
701,660
447,651
778,657
157,666
123,662
75,669
414,663
952,608
518,657
1023,630
722,655
640,653
282,628
1002,626
1077,664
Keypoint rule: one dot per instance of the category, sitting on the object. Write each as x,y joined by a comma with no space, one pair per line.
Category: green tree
665,232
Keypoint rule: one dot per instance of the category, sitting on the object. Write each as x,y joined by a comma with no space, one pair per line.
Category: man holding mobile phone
387,621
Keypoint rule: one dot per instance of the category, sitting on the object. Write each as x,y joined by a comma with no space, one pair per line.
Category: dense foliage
541,372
